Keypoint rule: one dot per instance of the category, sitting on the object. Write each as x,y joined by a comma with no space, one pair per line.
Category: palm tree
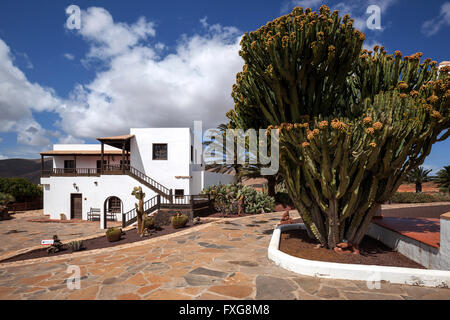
443,178
241,171
419,176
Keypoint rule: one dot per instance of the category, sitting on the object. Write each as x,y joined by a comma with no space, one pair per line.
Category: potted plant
113,234
179,221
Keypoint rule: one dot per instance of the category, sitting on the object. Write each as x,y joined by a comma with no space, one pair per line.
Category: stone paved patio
220,260
19,233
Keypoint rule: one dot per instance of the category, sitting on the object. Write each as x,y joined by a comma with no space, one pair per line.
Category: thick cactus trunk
140,213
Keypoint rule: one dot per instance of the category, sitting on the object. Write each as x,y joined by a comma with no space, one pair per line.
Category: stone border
96,251
332,270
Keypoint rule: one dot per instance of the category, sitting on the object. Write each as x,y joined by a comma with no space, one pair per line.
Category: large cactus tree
352,122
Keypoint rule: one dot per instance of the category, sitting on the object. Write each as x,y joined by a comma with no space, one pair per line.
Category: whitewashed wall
163,171
57,191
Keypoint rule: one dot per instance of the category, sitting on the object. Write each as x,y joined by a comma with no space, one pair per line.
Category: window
192,154
114,205
160,151
179,193
69,164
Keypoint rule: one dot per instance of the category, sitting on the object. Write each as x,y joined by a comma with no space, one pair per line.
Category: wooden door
76,207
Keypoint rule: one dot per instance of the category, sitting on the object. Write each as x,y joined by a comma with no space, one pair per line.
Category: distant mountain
24,168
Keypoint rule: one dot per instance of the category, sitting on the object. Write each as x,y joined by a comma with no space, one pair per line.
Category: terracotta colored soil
373,252
429,187
98,243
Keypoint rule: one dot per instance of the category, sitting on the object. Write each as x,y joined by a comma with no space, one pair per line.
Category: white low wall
320,269
426,255
417,251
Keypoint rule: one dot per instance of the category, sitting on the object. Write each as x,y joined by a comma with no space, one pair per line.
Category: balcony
86,172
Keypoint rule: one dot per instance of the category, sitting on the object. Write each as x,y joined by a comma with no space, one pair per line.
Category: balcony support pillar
102,159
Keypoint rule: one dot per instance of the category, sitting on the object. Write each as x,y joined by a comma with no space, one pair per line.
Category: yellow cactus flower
370,130
377,125
305,144
323,124
433,99
367,120
436,114
373,144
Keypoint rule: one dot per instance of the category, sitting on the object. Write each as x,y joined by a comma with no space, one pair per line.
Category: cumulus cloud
431,27
69,56
108,38
142,83
19,98
141,88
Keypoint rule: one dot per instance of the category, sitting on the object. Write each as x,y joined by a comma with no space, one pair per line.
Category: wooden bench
94,213
111,216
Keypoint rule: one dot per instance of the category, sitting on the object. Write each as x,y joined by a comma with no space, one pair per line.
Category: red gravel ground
373,252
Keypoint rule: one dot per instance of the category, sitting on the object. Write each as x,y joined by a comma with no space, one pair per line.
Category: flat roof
118,138
80,152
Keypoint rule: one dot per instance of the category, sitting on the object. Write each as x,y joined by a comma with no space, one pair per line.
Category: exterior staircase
194,203
149,182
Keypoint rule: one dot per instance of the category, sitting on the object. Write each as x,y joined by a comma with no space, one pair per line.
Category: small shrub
6,198
418,197
179,221
113,234
56,247
76,245
149,223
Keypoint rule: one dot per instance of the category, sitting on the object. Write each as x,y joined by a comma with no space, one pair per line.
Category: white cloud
69,56
69,139
19,98
2,157
431,27
141,89
109,39
137,87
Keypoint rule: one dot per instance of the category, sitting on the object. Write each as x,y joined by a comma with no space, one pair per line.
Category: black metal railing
173,202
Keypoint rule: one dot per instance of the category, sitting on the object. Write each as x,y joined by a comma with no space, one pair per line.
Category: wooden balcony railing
58,172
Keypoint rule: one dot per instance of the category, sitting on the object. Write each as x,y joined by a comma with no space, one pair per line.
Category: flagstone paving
20,233
219,260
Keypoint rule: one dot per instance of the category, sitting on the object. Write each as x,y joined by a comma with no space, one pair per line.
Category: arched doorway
112,207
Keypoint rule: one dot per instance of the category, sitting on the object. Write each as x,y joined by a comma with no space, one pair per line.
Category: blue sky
157,63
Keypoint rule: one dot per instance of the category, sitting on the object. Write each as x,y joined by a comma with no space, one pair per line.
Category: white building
163,162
